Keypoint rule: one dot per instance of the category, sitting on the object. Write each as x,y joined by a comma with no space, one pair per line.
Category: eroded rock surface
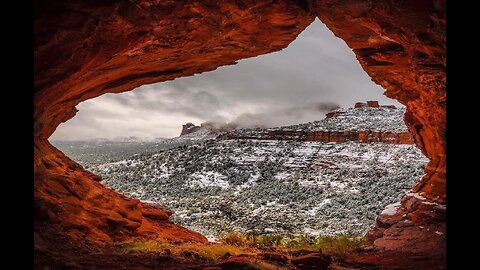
87,48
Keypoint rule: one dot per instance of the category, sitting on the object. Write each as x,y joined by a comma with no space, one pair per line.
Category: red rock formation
415,218
417,228
367,136
401,45
68,197
373,104
360,105
312,261
87,48
84,49
361,136
189,128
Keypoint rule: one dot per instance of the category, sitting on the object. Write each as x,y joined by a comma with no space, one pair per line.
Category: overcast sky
298,84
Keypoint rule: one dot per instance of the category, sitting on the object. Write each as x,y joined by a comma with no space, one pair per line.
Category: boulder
313,261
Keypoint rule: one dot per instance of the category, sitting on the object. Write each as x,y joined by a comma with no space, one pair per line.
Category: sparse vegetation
338,246
141,246
249,247
264,187
252,240
210,252
235,239
220,186
207,252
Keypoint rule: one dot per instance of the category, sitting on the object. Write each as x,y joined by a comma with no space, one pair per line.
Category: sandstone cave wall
84,49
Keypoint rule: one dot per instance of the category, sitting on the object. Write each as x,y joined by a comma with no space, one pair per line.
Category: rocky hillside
364,123
270,186
243,180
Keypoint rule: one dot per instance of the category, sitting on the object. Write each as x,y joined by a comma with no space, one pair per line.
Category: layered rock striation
368,136
84,49
365,123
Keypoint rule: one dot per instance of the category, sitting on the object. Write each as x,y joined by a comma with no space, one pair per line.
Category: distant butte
189,128
372,104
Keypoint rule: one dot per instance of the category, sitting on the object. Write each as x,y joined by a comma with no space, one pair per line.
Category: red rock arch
84,49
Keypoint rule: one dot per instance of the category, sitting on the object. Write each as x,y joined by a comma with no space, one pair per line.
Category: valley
215,182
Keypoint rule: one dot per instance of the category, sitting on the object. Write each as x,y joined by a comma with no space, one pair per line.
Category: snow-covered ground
214,185
351,119
365,118
270,186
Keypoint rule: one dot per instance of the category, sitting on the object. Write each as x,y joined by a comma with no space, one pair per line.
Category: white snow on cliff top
364,118
350,119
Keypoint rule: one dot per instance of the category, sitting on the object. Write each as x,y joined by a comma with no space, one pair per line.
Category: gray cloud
288,116
281,88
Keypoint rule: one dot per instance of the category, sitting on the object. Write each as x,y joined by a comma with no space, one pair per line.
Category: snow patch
440,206
416,195
282,176
391,209
314,210
310,231
208,179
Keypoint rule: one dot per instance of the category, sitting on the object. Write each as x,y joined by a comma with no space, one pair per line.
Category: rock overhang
85,49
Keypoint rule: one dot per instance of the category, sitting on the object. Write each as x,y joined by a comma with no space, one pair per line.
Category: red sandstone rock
84,49
415,231
73,199
373,104
335,136
275,257
154,212
360,105
415,218
312,261
402,47
240,262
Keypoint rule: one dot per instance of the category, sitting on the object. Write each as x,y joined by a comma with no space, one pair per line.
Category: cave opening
216,179
86,49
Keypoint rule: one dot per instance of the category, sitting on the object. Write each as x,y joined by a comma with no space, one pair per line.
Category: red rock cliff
367,136
84,49
361,136
401,45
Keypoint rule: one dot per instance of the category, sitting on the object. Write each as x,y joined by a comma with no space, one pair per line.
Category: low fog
288,116
316,73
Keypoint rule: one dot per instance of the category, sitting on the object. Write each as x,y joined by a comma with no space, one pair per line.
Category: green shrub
234,238
145,246
338,246
210,252
275,240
